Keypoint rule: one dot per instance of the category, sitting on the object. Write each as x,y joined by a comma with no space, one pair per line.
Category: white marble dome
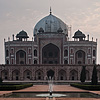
51,23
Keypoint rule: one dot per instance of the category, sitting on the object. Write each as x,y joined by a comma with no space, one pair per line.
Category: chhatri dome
52,24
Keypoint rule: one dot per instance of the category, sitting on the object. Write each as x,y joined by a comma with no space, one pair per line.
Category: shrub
86,86
94,80
83,74
14,87
1,80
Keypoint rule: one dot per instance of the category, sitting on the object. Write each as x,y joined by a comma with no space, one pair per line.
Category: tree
94,79
1,80
83,74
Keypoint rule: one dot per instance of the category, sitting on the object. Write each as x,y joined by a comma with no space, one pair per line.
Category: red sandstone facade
49,54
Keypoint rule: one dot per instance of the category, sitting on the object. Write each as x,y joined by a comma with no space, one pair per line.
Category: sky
17,15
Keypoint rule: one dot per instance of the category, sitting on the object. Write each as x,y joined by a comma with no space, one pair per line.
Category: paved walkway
66,88
44,88
35,88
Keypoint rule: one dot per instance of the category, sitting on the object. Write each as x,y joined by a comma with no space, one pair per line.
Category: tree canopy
83,74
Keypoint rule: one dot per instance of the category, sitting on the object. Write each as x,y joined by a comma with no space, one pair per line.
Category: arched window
94,53
7,53
7,61
65,62
12,50
94,62
80,57
66,53
35,52
35,61
21,57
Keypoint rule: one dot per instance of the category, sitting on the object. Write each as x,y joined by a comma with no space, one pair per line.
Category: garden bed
9,87
86,86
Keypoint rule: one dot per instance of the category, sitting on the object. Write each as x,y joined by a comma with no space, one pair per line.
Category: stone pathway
44,88
66,88
35,88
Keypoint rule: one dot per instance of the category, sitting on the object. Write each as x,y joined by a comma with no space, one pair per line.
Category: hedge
14,87
86,86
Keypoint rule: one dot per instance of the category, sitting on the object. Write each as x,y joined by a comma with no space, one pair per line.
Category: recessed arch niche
20,57
50,54
80,57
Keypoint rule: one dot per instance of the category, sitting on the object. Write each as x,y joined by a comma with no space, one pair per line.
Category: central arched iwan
50,54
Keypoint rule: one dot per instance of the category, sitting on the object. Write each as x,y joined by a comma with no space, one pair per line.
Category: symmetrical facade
50,53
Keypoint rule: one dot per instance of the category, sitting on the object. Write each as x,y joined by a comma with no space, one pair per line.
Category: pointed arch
62,75
20,57
50,74
7,53
4,74
39,75
94,53
7,61
50,54
16,74
65,61
65,53
73,75
35,53
27,75
35,61
80,57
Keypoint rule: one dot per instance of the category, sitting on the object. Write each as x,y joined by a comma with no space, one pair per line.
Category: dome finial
50,11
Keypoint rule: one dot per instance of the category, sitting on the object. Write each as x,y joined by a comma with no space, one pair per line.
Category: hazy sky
17,15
